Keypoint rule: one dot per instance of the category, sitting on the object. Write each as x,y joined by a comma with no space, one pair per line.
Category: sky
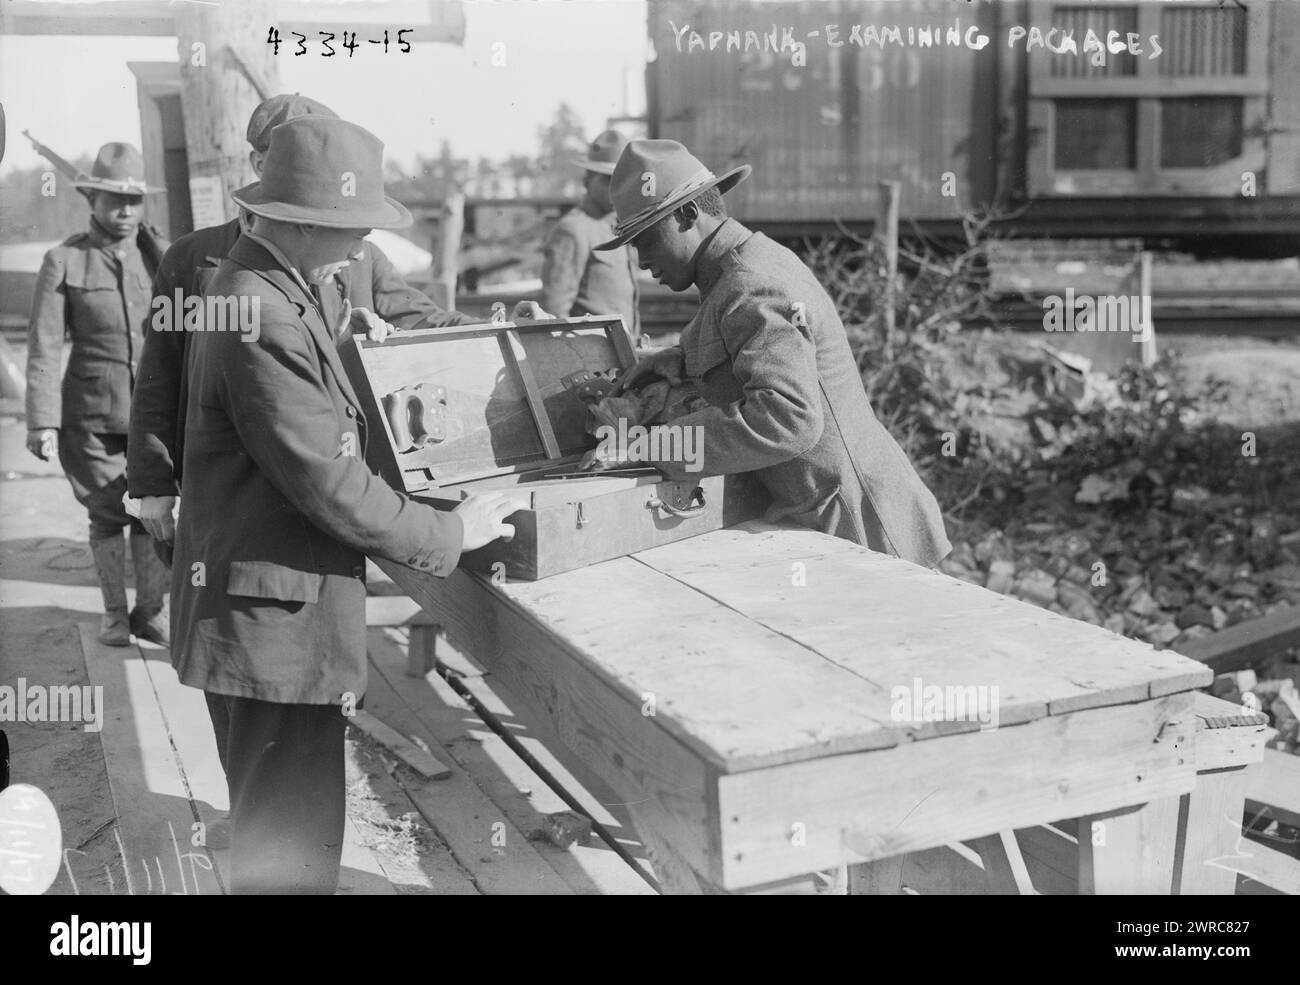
76,93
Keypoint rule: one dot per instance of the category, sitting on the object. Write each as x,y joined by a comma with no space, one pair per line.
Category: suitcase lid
449,405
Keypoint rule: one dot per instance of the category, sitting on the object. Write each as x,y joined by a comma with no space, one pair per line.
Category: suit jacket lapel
256,258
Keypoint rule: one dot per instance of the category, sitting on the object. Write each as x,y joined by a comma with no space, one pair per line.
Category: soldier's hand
529,311
484,517
668,363
43,443
369,323
156,515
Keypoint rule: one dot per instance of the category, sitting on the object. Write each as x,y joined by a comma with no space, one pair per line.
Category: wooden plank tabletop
714,637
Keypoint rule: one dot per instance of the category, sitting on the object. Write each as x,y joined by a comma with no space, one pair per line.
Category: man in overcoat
370,286
280,510
771,356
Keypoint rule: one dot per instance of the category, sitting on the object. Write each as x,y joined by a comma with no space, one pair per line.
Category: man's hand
43,443
156,515
483,515
375,328
529,311
668,363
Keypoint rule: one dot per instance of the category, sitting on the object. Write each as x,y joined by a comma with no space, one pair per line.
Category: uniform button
351,411
359,571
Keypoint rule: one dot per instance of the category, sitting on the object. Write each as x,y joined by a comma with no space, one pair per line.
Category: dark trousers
95,465
284,767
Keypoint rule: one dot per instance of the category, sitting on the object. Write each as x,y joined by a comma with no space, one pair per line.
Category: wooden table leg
1004,866
1129,852
1209,834
676,876
883,877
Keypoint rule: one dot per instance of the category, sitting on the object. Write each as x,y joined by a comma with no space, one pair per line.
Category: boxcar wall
1170,119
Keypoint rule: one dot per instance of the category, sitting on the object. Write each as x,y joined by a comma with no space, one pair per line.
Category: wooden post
1147,301
887,231
226,70
446,259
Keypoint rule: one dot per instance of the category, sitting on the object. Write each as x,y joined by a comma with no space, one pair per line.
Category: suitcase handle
697,497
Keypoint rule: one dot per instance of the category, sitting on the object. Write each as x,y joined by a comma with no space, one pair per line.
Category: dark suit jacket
773,360
268,589
94,290
154,449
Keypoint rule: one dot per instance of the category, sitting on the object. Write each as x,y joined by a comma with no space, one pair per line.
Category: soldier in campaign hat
281,511
94,288
576,280
770,355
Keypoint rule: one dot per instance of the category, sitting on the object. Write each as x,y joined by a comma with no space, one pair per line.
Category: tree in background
560,141
27,216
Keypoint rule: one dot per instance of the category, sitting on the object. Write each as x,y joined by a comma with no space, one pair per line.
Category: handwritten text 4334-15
349,42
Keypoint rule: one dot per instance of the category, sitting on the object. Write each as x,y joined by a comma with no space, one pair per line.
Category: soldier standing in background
575,279
95,288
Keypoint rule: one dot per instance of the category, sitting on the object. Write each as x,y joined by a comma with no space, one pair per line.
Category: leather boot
110,568
148,619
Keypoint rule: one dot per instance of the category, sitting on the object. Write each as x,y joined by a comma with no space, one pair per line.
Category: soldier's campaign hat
326,172
603,153
279,109
654,177
118,168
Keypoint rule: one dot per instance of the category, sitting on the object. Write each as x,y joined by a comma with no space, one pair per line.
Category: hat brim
116,187
599,167
723,182
391,215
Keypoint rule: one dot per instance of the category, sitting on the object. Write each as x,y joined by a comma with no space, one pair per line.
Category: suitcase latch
417,415
693,506
581,517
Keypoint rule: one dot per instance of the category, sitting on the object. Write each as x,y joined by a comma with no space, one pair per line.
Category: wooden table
738,691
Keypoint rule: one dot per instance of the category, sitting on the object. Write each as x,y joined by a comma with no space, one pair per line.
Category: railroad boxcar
1185,124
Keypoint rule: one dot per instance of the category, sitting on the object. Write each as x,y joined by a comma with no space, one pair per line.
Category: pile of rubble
1167,574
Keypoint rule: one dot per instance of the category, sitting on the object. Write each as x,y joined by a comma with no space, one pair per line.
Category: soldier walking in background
95,288
576,280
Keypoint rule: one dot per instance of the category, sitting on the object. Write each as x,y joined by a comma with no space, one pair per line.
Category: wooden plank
431,869
865,806
1051,858
883,877
1233,745
441,715
1209,822
601,726
359,873
479,835
1136,854
513,349
1034,658
1003,864
421,760
395,610
1266,866
732,691
1275,784
153,808
949,870
1246,643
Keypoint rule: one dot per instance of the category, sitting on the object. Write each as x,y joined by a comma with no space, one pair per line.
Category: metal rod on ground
887,230
494,723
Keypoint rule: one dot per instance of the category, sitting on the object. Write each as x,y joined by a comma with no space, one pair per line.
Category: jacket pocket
267,580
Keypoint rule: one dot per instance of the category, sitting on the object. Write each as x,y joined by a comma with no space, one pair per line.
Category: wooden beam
432,22
1246,643
873,805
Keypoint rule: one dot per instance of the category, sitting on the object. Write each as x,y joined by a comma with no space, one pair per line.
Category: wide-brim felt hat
604,153
654,177
118,168
324,171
